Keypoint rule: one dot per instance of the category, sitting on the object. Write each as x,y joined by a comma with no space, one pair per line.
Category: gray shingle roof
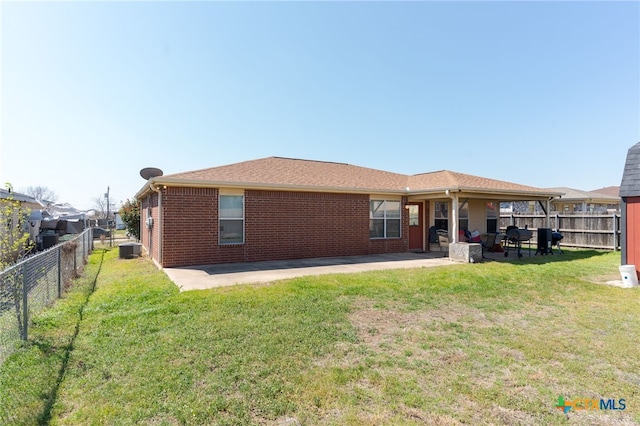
630,186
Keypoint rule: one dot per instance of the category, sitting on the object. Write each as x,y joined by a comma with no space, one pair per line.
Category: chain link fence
29,286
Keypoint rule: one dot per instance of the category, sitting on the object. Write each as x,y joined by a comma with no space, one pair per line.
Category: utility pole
110,230
106,195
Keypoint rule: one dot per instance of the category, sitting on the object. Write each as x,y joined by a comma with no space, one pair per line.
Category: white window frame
463,215
492,214
385,218
220,219
437,211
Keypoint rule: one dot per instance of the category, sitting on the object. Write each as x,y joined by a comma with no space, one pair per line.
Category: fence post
615,232
25,306
557,222
59,272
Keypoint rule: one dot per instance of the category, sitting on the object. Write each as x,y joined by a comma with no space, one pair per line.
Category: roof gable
446,179
630,185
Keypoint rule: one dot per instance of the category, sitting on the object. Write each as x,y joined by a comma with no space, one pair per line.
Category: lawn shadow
529,256
272,265
45,417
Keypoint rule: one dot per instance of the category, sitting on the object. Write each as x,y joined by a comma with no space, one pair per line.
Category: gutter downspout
159,192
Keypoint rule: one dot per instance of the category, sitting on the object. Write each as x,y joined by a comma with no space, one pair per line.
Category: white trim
384,197
231,191
220,219
385,219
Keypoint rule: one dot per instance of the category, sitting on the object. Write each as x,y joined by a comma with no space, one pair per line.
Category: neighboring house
577,201
571,201
29,203
612,191
119,223
281,208
630,212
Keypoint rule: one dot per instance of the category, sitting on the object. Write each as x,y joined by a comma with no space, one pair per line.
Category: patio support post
548,214
454,216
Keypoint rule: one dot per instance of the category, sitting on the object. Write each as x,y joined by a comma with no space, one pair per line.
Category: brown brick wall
278,225
190,235
297,225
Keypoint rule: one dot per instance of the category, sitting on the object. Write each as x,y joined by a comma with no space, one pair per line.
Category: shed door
416,227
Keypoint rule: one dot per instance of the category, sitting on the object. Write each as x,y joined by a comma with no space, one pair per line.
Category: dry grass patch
424,361
421,363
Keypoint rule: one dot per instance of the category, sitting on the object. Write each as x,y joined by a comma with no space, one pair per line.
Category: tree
100,206
130,214
41,193
15,244
14,235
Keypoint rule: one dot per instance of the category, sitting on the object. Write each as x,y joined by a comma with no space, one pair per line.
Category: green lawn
490,343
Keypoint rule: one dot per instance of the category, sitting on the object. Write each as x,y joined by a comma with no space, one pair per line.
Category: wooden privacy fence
599,231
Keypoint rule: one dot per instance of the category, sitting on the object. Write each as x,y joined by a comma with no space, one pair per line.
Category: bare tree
100,206
41,193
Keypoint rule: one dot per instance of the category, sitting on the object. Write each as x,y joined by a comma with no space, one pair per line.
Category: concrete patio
221,275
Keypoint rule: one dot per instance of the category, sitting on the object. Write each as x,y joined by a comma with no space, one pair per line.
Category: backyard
489,343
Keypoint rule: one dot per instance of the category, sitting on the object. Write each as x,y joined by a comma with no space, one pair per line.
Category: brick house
280,208
578,201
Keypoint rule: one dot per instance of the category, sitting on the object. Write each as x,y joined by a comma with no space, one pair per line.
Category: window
231,217
492,217
463,216
441,215
414,215
384,219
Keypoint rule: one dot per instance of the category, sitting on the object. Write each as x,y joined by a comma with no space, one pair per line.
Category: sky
541,93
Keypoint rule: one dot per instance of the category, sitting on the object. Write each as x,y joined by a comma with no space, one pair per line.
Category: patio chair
488,243
443,242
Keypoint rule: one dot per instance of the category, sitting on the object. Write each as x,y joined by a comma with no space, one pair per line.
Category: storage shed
630,208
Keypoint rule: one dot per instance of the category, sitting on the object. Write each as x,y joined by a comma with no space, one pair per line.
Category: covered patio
463,207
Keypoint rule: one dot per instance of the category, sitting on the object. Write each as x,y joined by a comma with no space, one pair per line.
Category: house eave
591,200
509,193
497,193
